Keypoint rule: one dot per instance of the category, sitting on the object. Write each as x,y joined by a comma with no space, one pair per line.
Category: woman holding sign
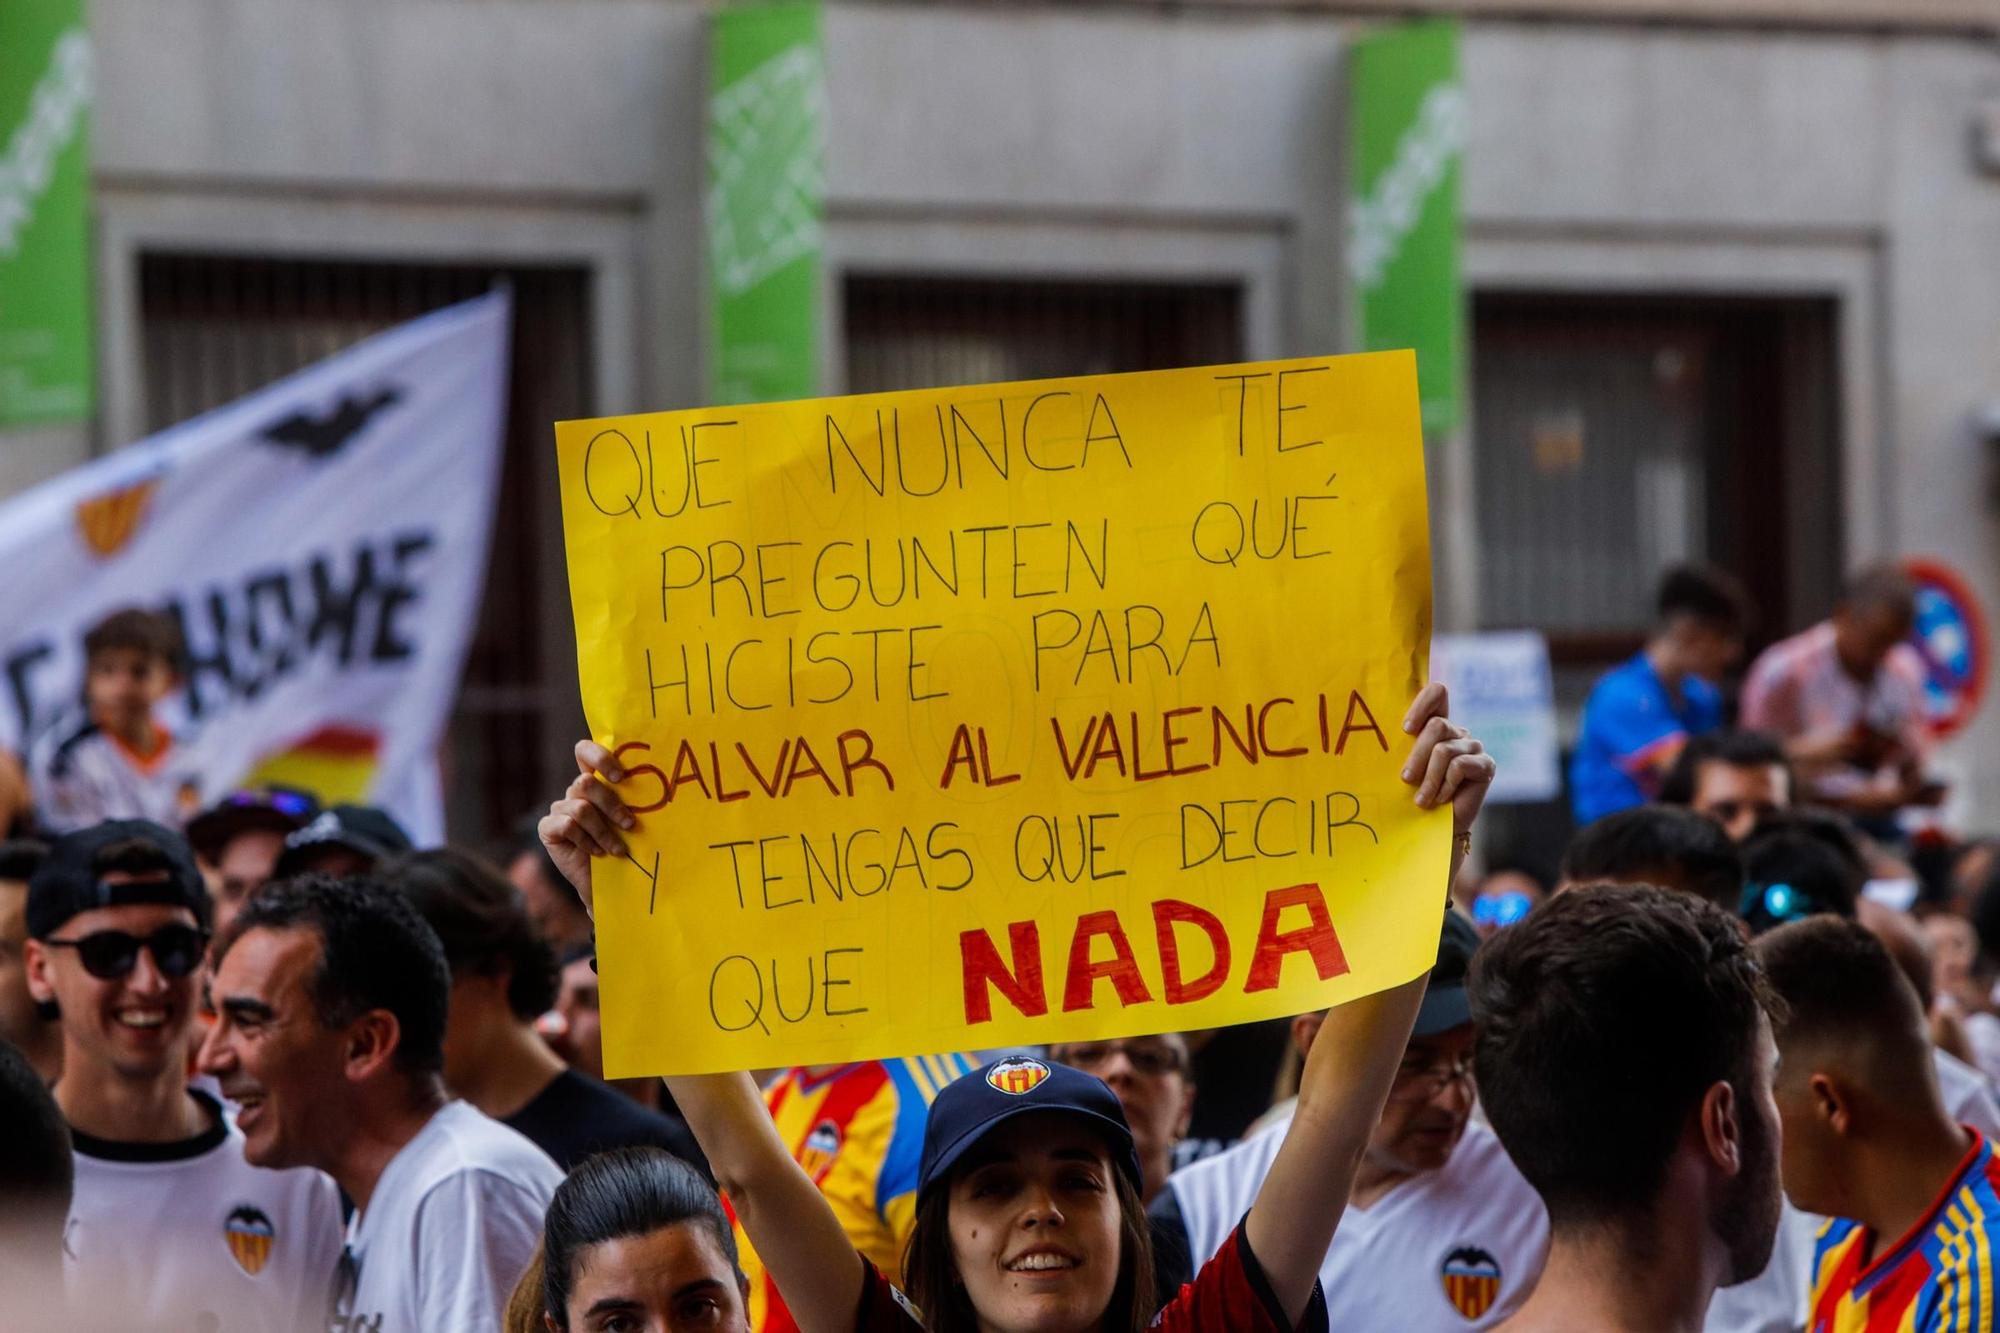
1028,1209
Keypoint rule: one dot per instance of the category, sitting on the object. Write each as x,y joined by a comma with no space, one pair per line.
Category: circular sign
1950,636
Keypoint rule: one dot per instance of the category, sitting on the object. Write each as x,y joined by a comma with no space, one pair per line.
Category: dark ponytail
625,1192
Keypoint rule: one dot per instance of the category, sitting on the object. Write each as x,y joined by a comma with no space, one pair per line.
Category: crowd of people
267,1066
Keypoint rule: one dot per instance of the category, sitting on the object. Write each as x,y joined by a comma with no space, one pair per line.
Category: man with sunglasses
1442,1232
169,1223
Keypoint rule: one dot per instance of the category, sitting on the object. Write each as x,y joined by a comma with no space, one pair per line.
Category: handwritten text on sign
1008,713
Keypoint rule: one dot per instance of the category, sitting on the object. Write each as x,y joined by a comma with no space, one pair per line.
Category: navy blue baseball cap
366,830
1445,1005
974,1106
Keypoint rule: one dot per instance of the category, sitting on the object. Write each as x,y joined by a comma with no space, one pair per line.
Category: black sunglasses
111,954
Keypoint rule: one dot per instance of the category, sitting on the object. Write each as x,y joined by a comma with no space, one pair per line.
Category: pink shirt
1797,689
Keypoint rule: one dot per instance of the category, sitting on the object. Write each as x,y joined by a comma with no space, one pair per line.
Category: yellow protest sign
1008,713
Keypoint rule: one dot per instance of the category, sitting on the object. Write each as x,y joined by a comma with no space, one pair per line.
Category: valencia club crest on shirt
1017,1076
821,1147
1471,1280
249,1233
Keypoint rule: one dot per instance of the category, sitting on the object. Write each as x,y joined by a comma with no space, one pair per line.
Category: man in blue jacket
1643,711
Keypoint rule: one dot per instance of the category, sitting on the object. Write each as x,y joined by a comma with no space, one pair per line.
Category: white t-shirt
189,1235
1775,1300
84,776
450,1228
1452,1249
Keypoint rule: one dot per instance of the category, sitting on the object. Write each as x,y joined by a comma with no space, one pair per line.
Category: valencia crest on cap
1017,1076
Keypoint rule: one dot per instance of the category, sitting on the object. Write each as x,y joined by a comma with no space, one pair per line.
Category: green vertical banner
45,96
1406,113
765,201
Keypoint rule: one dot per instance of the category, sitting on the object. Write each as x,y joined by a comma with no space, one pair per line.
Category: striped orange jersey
858,1130
1936,1279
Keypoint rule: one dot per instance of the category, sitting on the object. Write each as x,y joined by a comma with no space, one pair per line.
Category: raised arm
794,1230
1360,1044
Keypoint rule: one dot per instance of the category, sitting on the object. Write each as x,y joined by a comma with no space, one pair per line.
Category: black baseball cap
272,809
974,1106
69,882
362,829
1445,1005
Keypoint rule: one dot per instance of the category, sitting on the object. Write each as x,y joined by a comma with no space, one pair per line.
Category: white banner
322,543
1502,688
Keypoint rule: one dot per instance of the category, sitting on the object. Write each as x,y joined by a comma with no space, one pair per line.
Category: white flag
322,543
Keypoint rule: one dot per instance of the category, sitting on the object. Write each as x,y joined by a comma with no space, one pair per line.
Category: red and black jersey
1229,1295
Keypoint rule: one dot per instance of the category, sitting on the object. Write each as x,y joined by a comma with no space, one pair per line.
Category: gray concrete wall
1081,144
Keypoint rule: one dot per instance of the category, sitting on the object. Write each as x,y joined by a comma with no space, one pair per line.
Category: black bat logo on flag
322,436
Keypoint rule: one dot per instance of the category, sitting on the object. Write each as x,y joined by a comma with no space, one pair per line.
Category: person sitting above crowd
238,841
636,1239
1624,1058
1028,1206
1150,1076
330,998
1734,777
553,905
1847,698
170,1224
122,762
1640,714
1442,1232
1868,1142
1656,844
502,978
342,840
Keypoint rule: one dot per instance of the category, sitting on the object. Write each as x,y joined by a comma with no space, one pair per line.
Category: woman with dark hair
1028,1214
637,1239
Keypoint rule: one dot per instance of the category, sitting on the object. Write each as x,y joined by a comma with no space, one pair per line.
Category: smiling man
330,999
169,1223
1442,1232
